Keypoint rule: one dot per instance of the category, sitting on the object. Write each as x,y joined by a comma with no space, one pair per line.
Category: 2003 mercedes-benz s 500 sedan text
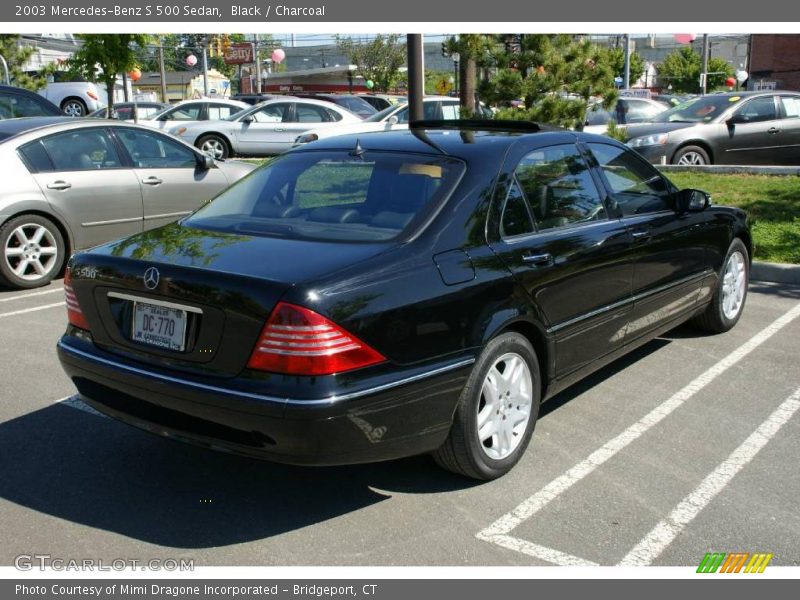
376,296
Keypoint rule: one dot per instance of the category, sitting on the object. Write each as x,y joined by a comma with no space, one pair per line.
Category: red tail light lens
91,95
75,315
298,341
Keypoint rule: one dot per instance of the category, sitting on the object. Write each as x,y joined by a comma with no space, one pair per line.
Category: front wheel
32,251
727,303
496,412
691,156
214,145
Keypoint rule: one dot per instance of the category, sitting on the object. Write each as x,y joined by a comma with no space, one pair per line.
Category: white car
394,117
189,112
626,111
76,98
265,129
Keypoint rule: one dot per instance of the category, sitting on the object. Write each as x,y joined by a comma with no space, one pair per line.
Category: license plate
159,326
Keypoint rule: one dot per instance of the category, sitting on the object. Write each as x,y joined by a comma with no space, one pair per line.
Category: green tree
681,69
556,76
102,57
616,59
16,55
378,60
474,50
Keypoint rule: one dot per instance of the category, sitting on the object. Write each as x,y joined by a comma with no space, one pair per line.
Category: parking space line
663,534
23,296
529,507
550,555
76,403
28,310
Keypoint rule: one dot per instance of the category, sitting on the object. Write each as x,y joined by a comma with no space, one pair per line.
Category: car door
86,181
263,131
217,111
789,154
172,182
304,116
751,135
668,249
557,239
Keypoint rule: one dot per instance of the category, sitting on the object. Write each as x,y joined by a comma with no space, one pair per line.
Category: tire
33,240
74,107
691,156
729,297
215,145
464,452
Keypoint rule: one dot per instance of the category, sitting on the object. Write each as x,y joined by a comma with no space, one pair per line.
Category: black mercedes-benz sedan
370,297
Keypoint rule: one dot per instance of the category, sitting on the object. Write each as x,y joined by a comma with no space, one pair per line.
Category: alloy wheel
31,251
73,109
691,158
733,285
214,147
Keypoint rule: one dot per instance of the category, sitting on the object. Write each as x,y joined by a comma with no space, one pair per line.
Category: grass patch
772,203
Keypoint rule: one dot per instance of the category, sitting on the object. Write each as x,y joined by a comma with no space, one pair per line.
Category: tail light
75,315
298,341
92,95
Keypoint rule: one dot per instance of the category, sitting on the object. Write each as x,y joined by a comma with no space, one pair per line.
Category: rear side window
757,110
81,150
516,218
150,150
333,196
791,106
13,106
189,112
35,157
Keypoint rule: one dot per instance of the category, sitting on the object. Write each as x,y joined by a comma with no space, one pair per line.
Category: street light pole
704,72
5,69
416,77
162,70
626,79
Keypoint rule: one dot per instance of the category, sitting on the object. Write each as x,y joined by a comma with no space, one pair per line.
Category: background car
130,111
352,102
194,111
252,99
383,101
375,296
732,128
75,183
265,129
76,98
395,118
18,102
624,112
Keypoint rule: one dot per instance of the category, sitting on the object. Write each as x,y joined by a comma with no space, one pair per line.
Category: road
689,445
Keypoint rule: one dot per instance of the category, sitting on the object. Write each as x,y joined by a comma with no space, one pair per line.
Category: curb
731,169
775,273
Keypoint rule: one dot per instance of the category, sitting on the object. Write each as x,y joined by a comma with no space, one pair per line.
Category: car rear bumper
410,416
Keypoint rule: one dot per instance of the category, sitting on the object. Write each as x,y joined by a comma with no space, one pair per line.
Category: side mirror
734,119
248,119
205,162
392,120
690,200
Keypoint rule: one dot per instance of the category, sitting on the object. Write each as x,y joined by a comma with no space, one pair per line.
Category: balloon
191,60
370,84
730,81
741,75
685,38
278,55
135,74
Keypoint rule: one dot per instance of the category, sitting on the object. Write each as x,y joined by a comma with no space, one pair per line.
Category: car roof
11,127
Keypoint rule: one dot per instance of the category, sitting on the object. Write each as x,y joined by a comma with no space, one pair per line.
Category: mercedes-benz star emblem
151,277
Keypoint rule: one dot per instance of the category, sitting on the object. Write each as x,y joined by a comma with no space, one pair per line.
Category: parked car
394,118
76,98
374,296
352,102
383,101
74,183
189,112
733,128
252,99
18,102
265,129
625,111
130,111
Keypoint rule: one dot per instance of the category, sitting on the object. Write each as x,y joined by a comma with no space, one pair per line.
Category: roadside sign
239,54
443,86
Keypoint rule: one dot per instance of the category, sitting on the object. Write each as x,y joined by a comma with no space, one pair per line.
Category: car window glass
217,112
640,111
13,106
432,110
516,219
308,113
636,186
123,113
147,111
791,106
450,111
402,116
757,109
153,151
272,113
559,187
83,149
189,112
596,115
35,157
333,115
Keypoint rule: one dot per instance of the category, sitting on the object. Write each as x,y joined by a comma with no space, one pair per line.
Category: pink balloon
278,55
685,38
191,60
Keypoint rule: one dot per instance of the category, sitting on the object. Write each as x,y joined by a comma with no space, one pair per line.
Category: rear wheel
497,411
32,251
727,303
74,107
214,145
691,156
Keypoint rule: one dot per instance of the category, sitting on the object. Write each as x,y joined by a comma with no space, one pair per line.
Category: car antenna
358,150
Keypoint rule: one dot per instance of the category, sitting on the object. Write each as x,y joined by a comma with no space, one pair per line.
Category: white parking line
23,296
28,310
500,529
663,534
76,403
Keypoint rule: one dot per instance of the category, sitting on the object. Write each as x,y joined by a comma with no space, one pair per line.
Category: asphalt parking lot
687,446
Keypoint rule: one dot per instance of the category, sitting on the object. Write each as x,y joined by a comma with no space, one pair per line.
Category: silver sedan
70,184
267,128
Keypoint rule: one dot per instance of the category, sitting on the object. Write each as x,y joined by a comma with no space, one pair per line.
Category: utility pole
704,72
204,48
162,70
257,61
416,77
626,79
7,79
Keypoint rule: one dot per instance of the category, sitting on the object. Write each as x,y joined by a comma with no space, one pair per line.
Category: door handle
640,234
538,260
59,185
152,181
773,130
279,129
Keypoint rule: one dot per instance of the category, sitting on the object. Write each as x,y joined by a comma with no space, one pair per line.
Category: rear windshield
333,196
